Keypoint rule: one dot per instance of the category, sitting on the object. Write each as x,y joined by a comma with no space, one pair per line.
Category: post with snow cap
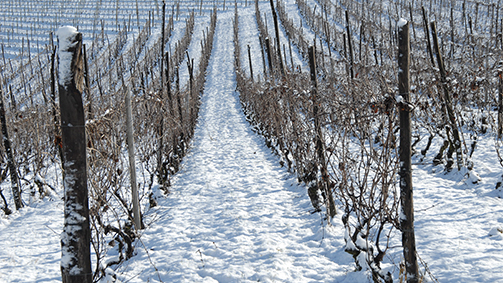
406,196
76,236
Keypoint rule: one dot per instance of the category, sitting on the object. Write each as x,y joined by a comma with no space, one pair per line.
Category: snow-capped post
132,169
406,196
324,185
11,163
456,139
76,236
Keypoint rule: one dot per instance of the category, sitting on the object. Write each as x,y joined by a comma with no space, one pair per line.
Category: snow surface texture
234,214
31,247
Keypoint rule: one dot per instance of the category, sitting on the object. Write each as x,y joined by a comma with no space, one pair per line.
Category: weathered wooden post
276,28
163,42
88,86
76,236
160,128
320,145
132,169
269,57
250,62
11,163
350,47
456,138
500,103
427,34
406,196
54,112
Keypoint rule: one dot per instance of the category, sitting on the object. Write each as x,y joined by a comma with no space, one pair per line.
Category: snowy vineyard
318,84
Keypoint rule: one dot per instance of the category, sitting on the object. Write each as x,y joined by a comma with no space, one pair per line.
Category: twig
150,260
427,269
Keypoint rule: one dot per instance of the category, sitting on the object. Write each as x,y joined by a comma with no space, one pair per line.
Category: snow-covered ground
30,241
234,215
457,222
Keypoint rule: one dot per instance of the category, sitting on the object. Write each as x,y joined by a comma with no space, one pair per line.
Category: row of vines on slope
282,111
129,62
358,113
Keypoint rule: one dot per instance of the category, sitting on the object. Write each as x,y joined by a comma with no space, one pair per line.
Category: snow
31,249
66,36
401,23
235,215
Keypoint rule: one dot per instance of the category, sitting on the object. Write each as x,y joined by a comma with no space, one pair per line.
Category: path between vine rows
234,215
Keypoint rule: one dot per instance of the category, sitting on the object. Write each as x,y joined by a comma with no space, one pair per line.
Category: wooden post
329,41
88,86
160,130
427,34
452,33
250,61
57,129
456,140
500,104
362,30
269,56
350,47
320,145
76,236
168,81
11,163
278,43
406,195
132,168
412,21
163,42
262,43
291,54
375,51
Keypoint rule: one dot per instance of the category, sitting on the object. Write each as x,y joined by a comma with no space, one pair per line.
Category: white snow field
235,215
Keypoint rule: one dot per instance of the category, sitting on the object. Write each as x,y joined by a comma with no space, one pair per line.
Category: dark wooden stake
406,195
132,164
87,86
350,47
320,145
456,140
54,110
250,61
76,236
291,54
427,34
500,104
11,163
278,43
269,56
163,42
